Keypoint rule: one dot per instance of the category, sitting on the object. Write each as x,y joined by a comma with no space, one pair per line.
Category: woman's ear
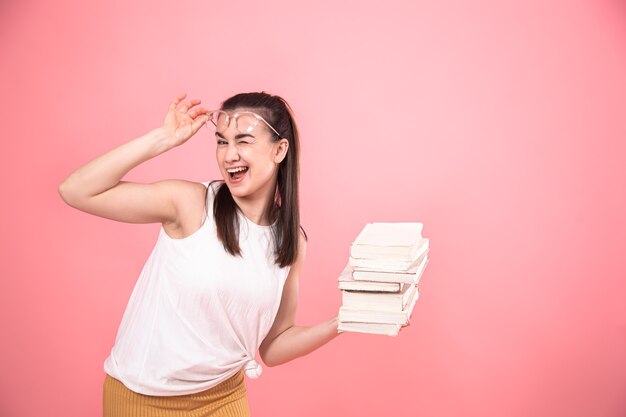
281,147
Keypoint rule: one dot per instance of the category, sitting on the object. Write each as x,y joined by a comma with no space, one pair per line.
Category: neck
258,207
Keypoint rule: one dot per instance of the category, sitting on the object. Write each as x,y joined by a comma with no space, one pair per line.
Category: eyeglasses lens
246,122
220,119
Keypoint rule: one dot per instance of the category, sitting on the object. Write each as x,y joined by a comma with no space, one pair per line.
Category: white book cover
351,314
393,277
387,240
347,282
371,328
391,265
379,301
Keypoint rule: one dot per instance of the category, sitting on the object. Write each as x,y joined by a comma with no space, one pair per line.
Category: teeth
236,169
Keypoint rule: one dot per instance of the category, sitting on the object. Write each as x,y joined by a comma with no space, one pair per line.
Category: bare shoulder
183,189
302,237
189,201
184,194
302,241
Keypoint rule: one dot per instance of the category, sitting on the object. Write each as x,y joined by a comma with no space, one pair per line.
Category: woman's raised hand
183,122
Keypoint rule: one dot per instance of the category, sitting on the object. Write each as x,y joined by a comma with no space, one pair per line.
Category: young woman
222,281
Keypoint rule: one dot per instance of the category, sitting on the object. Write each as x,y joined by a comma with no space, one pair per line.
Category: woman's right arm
97,187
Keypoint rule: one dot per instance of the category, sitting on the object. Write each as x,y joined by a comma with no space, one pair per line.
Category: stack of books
380,282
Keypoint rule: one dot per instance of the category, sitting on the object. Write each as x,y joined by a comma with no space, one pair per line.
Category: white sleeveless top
197,314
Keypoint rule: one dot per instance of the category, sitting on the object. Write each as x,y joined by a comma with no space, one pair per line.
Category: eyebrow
239,136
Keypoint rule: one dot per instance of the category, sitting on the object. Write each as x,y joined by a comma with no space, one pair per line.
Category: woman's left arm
286,341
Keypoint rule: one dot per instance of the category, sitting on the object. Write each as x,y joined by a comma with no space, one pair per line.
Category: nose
232,152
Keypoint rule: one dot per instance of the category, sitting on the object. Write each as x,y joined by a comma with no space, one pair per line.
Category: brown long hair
285,209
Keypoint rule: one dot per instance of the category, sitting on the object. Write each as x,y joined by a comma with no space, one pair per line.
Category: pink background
498,125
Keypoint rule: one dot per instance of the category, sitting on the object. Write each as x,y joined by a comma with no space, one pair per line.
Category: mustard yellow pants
228,399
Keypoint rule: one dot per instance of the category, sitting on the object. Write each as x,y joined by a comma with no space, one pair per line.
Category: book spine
382,266
392,253
366,316
374,276
388,330
369,286
373,301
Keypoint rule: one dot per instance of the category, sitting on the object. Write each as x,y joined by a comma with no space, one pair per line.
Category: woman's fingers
197,111
184,121
193,102
198,122
187,106
177,100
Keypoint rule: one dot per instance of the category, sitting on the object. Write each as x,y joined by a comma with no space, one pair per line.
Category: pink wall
501,127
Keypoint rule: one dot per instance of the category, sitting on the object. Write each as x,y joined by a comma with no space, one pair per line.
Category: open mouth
237,173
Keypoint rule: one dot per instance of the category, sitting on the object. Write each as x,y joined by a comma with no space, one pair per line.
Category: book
347,282
391,265
411,276
379,301
351,314
397,241
373,328
380,281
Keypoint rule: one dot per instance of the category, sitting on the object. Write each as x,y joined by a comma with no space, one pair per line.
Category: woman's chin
244,186
238,189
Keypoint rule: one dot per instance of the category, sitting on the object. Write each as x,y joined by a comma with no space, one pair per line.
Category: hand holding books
380,282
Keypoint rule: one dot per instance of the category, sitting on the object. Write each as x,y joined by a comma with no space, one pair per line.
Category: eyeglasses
245,122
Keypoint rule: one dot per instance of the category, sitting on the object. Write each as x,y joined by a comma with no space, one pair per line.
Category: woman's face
249,161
